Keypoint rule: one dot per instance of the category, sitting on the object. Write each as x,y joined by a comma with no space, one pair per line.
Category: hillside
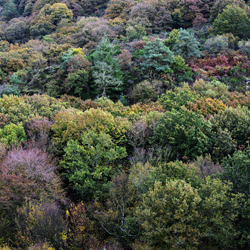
124,125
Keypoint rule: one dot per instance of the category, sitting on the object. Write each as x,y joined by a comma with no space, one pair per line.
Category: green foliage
12,135
41,28
144,91
70,125
219,210
233,20
123,100
14,79
244,225
186,132
223,145
236,170
10,10
60,11
88,165
168,215
178,65
236,121
172,38
216,44
24,109
117,216
186,45
7,89
180,96
157,58
105,79
135,32
176,171
214,89
17,32
175,215
123,157
244,47
106,69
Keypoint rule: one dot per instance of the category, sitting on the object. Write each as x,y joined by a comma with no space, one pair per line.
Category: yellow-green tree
169,214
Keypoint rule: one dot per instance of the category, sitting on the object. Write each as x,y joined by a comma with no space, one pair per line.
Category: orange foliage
207,106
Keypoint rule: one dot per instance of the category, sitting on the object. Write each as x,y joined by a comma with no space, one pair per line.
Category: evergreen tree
106,69
186,45
10,10
104,77
157,58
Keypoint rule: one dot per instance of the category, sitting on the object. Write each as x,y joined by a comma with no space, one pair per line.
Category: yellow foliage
5,248
116,21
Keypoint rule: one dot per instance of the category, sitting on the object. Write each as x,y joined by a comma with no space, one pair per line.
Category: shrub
180,96
144,91
216,44
214,89
6,89
236,121
244,47
12,135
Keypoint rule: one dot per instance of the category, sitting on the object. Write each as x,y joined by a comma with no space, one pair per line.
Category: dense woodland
124,125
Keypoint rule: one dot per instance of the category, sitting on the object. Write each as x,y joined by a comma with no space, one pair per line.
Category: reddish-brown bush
238,99
28,174
220,65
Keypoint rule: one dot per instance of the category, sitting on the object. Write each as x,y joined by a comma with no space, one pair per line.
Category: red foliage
28,174
220,65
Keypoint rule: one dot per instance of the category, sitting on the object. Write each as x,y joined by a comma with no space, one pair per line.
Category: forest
124,125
